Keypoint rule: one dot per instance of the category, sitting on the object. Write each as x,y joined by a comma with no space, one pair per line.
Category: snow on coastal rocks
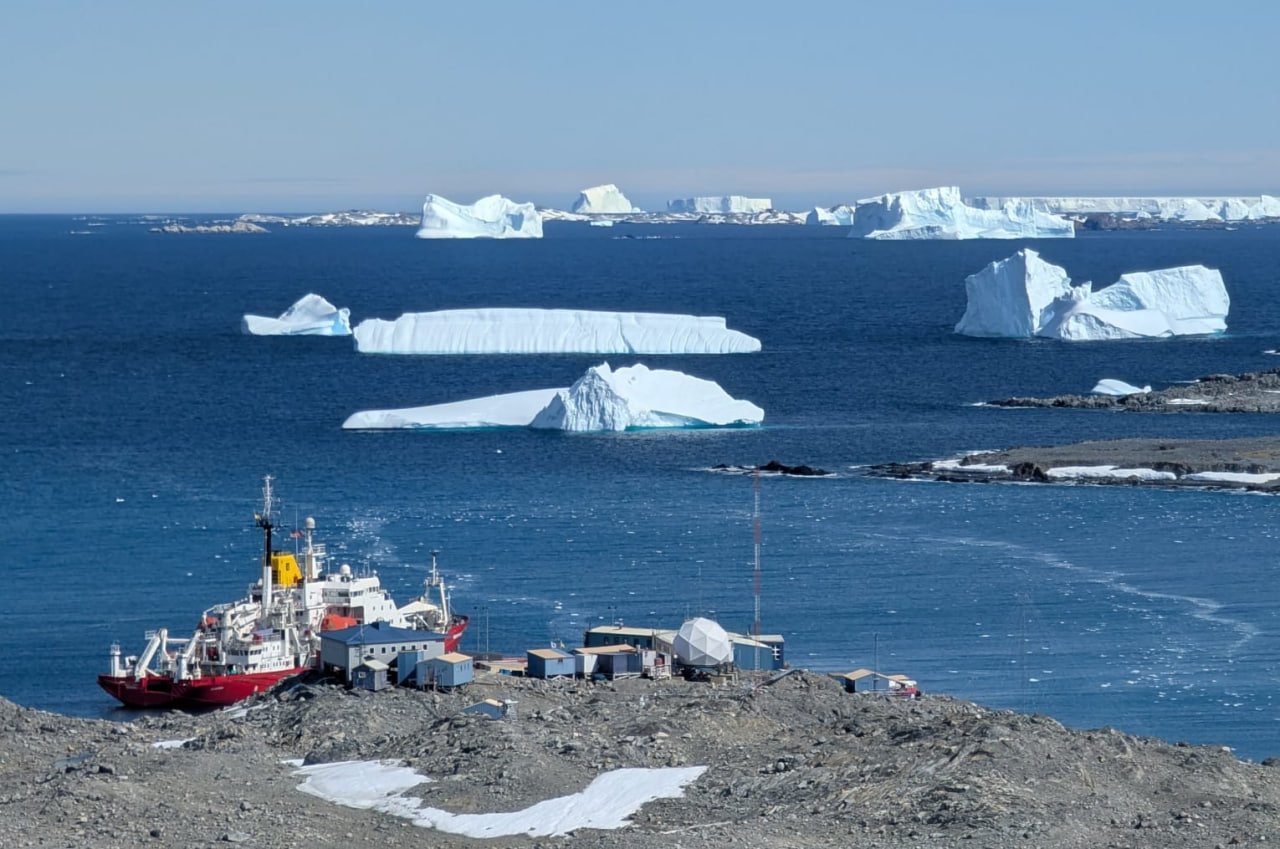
492,217
603,200
601,400
608,802
1023,296
312,315
941,213
542,331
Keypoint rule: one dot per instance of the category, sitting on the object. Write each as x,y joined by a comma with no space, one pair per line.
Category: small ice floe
1232,477
171,744
606,803
1109,386
1107,473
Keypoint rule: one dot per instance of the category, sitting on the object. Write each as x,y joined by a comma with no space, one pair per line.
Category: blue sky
230,106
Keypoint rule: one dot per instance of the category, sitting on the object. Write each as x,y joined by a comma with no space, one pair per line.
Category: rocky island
1252,392
796,762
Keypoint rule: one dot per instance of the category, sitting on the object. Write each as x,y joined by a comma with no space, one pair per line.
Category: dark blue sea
136,423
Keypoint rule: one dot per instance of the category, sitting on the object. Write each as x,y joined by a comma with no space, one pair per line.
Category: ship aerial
248,646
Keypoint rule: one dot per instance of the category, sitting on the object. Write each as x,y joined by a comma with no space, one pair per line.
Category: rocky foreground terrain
797,763
1253,392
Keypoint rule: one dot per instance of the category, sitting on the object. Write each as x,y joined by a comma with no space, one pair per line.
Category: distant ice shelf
1182,209
1023,296
941,213
545,331
492,217
312,315
727,204
603,399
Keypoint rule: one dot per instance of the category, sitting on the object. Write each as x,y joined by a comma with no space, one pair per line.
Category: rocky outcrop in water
1253,392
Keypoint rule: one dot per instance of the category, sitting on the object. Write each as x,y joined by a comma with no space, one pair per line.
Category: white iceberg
601,400
1009,297
728,205
312,315
1186,301
1110,386
539,331
942,214
603,200
1240,208
492,217
836,216
1023,296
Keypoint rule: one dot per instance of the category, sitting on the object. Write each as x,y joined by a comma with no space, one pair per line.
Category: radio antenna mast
755,572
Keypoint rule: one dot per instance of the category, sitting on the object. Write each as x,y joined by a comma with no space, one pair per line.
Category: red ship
250,645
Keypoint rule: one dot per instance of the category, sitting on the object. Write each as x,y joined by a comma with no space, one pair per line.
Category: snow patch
492,217
607,802
1107,473
1233,477
539,331
171,744
312,315
1110,386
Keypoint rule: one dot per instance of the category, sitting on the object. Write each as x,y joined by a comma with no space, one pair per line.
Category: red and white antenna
755,572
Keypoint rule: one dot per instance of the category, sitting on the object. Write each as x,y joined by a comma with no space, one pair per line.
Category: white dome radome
702,642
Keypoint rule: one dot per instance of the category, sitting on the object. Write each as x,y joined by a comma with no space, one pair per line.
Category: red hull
453,634
152,691
223,690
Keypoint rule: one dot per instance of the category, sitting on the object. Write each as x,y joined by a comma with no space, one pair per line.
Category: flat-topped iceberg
603,200
635,397
728,204
312,315
1023,296
492,217
942,214
539,331
1190,209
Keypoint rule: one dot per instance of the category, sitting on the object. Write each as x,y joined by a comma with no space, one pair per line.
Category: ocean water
136,423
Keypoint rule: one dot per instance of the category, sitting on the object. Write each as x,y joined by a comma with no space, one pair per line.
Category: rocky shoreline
1253,392
798,762
1250,464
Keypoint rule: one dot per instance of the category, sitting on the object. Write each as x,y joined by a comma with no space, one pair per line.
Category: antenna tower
755,572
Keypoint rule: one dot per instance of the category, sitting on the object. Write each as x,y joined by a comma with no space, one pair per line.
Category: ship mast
263,521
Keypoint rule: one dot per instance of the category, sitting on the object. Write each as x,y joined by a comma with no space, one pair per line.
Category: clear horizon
144,107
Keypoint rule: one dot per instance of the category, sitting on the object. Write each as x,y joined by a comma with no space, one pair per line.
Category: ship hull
149,692
453,635
223,690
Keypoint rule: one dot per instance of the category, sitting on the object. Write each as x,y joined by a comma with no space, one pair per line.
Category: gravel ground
798,763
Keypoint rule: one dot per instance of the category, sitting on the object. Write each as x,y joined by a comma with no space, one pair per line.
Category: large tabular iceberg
1024,296
603,200
539,331
942,214
729,205
600,400
312,315
1190,209
492,217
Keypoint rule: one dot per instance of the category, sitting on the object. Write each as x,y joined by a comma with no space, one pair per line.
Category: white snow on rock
608,802
941,213
1010,296
312,315
601,400
607,200
729,204
836,216
539,331
958,465
1107,473
492,217
1023,296
1110,386
1232,477
640,397
1164,208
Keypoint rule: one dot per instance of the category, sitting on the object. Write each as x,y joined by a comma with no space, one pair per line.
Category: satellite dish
703,643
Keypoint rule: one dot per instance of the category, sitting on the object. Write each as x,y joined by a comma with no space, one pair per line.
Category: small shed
749,654
370,675
491,708
446,671
550,663
616,661
855,680
407,666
